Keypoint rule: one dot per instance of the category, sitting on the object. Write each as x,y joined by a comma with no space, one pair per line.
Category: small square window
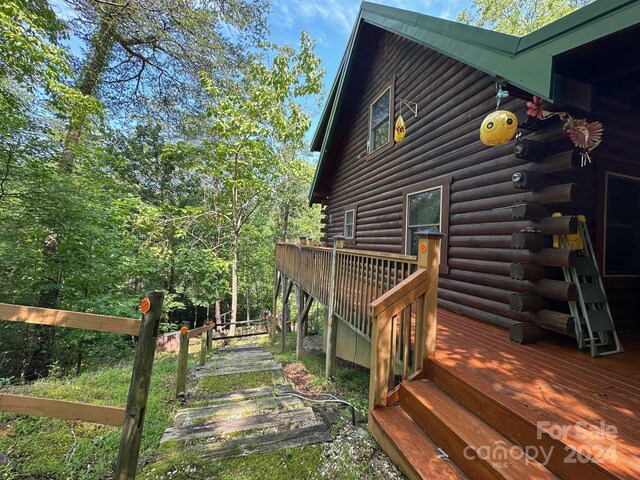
349,218
380,121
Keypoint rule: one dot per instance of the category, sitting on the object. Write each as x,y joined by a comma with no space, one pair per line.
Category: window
380,121
622,256
424,212
349,224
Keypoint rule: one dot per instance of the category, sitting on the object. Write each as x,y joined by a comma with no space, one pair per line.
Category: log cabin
492,290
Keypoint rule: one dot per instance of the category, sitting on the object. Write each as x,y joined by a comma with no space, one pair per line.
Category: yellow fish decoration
399,131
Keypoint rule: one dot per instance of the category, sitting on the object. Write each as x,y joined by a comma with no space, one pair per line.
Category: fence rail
360,277
131,418
64,318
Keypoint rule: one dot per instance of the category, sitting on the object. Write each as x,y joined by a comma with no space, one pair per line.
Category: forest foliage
145,146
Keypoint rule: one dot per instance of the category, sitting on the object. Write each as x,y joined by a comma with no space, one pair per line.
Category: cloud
339,14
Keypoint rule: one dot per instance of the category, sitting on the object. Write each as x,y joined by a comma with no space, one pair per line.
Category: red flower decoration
534,108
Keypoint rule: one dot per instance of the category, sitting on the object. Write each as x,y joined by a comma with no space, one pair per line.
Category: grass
350,383
284,464
42,448
57,449
235,381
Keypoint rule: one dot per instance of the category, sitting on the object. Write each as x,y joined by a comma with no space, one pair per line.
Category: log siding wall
442,147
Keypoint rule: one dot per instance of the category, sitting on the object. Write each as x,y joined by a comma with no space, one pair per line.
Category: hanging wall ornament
498,128
399,131
584,135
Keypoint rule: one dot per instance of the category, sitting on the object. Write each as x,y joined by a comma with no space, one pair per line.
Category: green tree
517,17
255,118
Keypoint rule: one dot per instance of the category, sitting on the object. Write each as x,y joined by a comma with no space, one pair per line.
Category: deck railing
360,277
404,326
390,299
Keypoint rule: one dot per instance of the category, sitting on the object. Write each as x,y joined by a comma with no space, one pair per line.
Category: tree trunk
95,65
234,283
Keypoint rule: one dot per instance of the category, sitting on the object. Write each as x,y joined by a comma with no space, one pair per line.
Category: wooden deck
548,394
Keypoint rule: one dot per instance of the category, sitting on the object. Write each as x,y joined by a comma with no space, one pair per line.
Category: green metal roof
526,62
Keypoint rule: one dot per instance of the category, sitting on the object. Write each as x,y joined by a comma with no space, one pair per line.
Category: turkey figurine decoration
498,128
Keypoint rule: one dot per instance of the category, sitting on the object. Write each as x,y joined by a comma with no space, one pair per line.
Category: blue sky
330,21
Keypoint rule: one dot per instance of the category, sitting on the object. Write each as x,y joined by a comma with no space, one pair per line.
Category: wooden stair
485,431
428,418
555,431
409,448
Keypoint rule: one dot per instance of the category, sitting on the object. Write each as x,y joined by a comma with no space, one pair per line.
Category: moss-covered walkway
222,424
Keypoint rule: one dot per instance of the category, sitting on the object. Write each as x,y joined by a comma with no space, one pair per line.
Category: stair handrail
420,287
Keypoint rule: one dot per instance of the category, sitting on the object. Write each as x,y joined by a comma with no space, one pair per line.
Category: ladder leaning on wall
593,320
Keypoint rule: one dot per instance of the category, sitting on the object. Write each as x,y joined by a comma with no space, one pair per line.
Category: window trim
607,175
406,206
445,184
390,86
354,209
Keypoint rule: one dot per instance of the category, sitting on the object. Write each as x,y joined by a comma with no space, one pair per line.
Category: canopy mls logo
595,447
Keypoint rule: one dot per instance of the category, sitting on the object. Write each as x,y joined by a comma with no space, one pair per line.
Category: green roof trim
526,62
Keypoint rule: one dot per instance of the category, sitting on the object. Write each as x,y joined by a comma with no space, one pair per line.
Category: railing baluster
406,341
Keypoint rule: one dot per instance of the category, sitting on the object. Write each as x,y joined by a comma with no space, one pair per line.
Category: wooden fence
206,334
359,277
389,299
404,326
131,418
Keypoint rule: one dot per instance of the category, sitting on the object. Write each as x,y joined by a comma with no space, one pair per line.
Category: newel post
129,452
427,304
332,320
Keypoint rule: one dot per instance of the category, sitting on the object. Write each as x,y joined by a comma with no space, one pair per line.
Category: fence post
210,336
426,318
127,462
332,321
203,348
183,360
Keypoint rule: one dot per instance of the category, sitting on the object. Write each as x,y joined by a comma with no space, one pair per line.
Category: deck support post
274,316
287,284
129,451
332,320
300,294
427,304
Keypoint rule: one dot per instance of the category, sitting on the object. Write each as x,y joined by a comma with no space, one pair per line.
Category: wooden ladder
593,320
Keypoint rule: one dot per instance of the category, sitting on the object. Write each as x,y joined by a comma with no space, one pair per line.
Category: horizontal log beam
555,321
529,271
551,257
529,180
559,162
527,302
529,211
46,407
532,150
525,333
489,317
531,241
67,319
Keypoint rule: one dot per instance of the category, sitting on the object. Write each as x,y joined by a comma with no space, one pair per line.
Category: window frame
608,174
351,239
390,142
445,184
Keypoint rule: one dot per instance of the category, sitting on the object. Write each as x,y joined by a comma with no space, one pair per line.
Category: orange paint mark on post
184,330
423,247
145,305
